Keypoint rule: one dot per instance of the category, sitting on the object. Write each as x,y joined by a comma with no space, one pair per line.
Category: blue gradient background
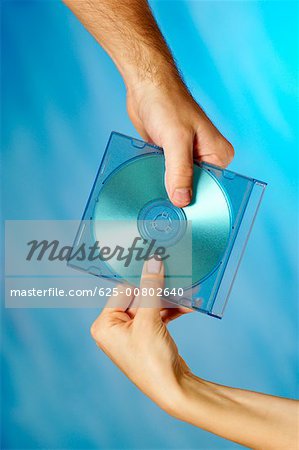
61,97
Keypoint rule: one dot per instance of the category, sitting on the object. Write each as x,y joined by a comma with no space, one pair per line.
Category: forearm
127,30
252,419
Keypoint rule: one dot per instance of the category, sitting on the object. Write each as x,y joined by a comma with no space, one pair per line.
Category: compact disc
135,194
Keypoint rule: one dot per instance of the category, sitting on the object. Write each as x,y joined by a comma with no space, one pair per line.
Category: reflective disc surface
137,190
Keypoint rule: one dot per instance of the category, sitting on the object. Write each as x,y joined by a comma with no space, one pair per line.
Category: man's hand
159,104
133,333
165,114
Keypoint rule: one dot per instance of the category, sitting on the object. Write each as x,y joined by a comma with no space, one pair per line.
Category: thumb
151,285
178,150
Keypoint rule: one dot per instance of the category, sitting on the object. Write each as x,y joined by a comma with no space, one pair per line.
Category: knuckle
93,330
230,151
180,169
225,153
96,331
152,281
177,134
183,133
218,160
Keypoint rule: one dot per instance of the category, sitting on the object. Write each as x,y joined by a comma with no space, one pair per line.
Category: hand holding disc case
130,187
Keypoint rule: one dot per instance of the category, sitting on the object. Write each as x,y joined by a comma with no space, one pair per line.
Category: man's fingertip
182,196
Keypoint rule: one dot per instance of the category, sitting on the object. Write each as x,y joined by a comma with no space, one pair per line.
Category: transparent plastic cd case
129,186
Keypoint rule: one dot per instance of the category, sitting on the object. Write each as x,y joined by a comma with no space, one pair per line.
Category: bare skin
136,338
159,103
133,335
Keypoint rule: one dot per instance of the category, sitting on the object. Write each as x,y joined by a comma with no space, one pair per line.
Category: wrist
165,88
198,401
156,73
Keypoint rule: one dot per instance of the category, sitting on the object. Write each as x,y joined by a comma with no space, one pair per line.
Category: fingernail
153,265
182,195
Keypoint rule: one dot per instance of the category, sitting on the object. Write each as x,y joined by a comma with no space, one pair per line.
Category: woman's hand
134,335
